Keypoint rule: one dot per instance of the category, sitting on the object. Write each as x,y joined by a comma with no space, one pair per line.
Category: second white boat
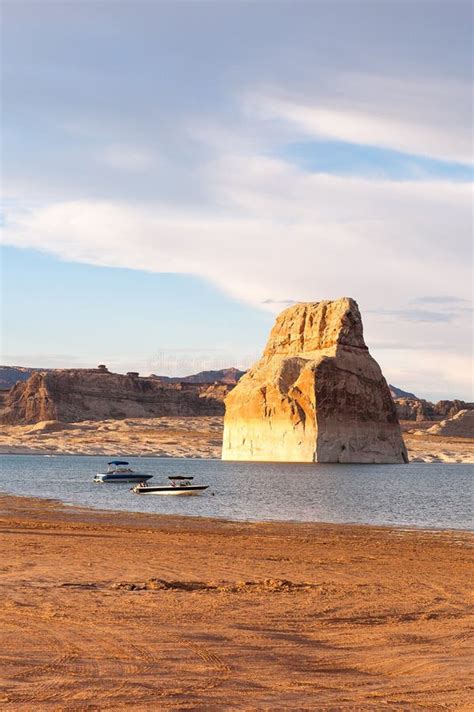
179,485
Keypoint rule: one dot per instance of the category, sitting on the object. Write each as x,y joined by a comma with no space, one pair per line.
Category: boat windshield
180,481
118,466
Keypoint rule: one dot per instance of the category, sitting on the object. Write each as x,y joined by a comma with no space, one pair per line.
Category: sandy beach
183,437
160,437
130,611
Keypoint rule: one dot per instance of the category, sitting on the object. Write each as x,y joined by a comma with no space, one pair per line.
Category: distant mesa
420,410
316,395
223,375
398,393
9,375
72,395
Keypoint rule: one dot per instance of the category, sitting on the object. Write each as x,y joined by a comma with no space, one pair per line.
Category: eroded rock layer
71,395
316,395
420,410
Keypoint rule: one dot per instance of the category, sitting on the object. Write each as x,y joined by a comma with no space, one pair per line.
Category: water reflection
426,495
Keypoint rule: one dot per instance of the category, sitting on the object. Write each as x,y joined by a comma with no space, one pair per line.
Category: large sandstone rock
316,395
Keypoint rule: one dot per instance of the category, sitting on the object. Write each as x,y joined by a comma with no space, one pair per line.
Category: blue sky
161,323
174,172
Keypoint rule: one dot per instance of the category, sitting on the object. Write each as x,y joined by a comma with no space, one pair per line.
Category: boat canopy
179,477
118,462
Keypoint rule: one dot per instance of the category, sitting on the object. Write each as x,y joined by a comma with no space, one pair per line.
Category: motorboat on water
119,471
178,485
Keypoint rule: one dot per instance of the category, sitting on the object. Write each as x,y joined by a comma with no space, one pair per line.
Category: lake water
423,495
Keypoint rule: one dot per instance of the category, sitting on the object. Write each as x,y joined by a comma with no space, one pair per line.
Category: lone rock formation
316,395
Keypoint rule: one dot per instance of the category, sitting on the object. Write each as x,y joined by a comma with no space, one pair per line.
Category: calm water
423,495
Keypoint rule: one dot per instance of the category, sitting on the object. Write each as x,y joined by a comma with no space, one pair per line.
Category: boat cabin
180,480
118,466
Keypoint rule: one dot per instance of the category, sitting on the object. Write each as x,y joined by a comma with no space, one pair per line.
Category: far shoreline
198,438
148,456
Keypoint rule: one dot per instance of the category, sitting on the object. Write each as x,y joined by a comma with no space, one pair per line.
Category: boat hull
172,491
104,478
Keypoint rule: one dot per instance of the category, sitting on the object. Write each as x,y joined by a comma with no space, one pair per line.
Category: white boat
179,485
119,471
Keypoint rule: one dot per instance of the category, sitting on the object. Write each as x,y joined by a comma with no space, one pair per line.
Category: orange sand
129,611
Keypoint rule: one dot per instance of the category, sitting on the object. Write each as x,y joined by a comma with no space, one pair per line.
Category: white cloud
414,117
318,235
265,231
278,233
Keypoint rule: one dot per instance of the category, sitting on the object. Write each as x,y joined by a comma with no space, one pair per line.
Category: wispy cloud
317,235
421,118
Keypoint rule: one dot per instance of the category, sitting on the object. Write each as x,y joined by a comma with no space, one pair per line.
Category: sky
176,173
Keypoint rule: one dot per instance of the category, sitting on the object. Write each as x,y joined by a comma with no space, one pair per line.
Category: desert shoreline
184,437
113,610
176,518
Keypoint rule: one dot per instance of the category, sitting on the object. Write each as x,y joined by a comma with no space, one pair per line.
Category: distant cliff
418,409
72,395
223,375
411,407
9,375
398,393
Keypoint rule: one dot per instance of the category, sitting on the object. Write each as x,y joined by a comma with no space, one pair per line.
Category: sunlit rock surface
316,395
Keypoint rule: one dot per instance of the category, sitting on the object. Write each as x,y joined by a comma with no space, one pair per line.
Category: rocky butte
316,395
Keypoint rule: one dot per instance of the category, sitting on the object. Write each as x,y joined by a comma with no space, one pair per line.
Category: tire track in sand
219,669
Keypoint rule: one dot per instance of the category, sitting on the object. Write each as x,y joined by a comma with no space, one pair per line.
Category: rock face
421,410
460,425
71,395
414,409
9,375
316,395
